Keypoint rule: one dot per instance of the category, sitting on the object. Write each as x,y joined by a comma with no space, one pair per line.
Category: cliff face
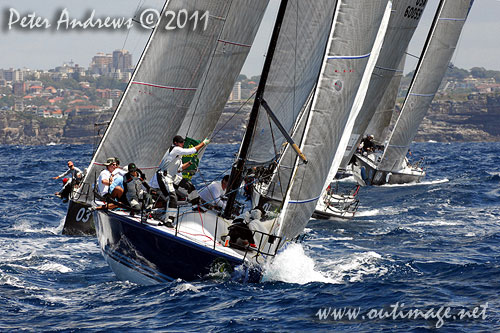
18,130
476,118
26,129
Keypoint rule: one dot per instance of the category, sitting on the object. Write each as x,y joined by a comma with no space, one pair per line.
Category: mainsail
352,37
402,24
168,77
436,55
379,125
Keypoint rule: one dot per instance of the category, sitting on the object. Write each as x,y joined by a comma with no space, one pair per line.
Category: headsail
164,85
438,50
352,37
404,20
379,125
240,28
293,72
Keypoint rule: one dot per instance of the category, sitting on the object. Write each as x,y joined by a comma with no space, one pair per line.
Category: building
13,75
19,88
236,93
115,94
122,60
101,63
19,105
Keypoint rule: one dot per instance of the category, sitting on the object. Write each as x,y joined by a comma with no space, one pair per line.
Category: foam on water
370,212
294,266
54,267
436,244
354,267
185,287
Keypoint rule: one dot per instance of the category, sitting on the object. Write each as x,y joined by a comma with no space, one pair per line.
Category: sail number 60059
179,19
415,12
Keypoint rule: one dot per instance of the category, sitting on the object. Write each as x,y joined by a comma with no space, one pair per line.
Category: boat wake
431,182
294,266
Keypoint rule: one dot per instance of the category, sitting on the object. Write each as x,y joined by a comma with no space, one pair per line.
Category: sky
45,48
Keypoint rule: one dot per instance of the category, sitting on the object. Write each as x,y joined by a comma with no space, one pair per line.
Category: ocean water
432,247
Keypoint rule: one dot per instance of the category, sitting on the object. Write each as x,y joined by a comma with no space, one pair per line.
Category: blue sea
432,247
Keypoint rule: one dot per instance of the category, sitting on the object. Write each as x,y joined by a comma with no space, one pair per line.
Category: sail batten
234,44
293,73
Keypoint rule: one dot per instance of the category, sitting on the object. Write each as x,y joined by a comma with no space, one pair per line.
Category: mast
235,178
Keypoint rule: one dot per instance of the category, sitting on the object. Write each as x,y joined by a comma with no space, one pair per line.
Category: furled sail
240,28
294,71
352,37
436,55
162,89
404,20
379,125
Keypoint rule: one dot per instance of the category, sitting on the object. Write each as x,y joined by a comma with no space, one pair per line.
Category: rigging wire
231,118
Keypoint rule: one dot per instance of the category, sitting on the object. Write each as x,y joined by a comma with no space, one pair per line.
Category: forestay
404,20
353,33
436,55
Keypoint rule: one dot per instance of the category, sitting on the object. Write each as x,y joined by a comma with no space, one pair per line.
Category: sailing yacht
405,18
180,86
136,245
392,166
293,184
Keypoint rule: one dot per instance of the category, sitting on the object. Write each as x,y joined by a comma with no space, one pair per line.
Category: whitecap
54,267
356,266
183,287
371,212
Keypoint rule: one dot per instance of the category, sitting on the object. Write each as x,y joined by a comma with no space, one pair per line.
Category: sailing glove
206,141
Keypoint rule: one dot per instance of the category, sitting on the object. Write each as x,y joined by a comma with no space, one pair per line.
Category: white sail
404,20
360,97
238,34
293,73
438,50
352,37
167,79
379,125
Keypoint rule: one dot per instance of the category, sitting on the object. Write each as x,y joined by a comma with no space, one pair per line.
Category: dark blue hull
145,254
79,220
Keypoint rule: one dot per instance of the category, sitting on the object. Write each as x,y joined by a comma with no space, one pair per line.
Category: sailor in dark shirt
368,145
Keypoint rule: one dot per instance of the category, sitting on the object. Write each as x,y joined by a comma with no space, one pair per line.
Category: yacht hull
79,219
367,173
146,254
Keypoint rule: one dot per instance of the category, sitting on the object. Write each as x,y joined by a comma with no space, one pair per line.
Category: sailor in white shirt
214,192
169,175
